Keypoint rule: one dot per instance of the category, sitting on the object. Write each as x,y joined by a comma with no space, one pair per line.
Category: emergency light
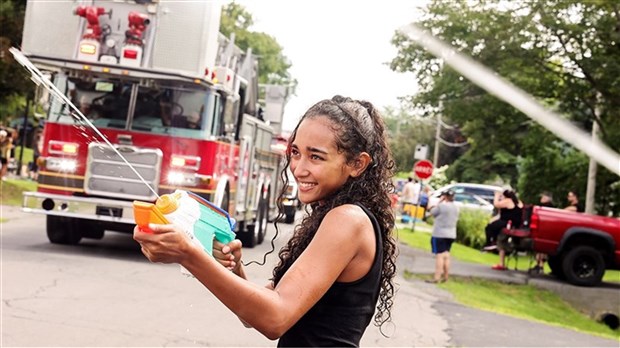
62,148
189,162
88,48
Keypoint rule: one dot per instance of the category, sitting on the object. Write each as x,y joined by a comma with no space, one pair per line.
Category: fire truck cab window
229,110
217,116
104,102
175,110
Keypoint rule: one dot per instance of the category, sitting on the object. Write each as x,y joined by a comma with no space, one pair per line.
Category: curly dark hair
358,127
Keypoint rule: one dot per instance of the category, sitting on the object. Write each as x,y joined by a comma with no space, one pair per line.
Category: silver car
469,196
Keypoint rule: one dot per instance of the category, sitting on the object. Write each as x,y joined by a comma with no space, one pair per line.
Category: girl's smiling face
318,167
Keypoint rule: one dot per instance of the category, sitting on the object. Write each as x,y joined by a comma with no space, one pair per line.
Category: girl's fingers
157,228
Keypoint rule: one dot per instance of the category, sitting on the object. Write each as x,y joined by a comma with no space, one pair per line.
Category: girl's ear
360,164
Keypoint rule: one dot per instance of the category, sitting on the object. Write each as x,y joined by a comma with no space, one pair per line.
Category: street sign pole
423,169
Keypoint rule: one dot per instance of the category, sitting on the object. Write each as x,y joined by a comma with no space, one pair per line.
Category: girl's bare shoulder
351,214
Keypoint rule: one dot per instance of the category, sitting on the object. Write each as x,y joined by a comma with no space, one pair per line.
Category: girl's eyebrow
312,149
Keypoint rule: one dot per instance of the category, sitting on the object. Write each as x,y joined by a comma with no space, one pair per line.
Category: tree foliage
14,82
405,132
274,66
564,53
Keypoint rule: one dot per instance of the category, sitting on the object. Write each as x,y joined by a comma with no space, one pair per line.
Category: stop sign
423,169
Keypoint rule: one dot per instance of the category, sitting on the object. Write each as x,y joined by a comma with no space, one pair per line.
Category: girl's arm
499,201
345,235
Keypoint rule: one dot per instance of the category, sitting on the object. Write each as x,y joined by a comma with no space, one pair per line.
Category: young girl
340,263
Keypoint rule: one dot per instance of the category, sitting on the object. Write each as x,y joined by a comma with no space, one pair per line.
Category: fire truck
173,96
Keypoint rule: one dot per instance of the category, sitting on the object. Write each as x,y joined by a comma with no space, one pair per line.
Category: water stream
39,79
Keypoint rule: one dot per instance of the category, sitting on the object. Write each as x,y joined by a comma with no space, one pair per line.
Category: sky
337,47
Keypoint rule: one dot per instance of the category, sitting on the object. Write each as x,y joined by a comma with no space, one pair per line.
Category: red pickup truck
580,246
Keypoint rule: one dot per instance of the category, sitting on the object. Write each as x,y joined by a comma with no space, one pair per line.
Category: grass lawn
28,154
11,193
510,299
516,300
460,252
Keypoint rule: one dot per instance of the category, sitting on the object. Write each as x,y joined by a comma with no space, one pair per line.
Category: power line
447,143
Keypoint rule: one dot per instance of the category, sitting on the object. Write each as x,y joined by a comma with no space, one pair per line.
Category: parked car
486,192
468,201
471,196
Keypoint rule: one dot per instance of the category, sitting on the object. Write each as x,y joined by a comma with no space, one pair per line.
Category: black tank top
515,215
341,316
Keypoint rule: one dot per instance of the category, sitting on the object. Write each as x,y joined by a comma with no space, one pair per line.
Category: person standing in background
446,215
5,152
424,197
411,195
411,192
33,170
546,200
573,203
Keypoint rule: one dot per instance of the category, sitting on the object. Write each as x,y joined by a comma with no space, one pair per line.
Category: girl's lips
305,186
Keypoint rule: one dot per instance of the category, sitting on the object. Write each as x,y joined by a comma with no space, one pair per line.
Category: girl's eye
294,153
316,157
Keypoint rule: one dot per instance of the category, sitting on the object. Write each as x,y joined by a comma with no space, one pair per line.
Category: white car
470,196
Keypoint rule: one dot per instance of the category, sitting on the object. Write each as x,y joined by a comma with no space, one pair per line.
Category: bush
470,228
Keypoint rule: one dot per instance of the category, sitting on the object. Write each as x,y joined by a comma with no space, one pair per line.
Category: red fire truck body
177,100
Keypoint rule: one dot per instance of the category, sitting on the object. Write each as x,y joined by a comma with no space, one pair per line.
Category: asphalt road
105,293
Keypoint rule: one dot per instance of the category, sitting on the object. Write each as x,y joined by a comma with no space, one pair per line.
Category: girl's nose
298,168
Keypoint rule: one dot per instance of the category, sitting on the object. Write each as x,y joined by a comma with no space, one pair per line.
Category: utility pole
437,136
592,167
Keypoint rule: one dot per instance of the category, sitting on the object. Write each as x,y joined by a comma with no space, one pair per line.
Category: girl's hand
229,255
165,243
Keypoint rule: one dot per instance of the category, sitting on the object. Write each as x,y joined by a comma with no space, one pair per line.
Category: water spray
39,79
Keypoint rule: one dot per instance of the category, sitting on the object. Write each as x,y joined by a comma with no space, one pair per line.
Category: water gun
200,219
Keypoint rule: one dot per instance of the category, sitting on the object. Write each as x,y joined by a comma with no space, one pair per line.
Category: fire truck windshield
163,108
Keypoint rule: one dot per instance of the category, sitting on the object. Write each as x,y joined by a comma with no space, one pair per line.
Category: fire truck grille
108,175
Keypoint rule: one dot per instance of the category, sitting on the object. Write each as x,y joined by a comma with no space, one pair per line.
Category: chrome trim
77,207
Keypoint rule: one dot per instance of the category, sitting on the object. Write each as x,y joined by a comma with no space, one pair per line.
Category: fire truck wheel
248,235
62,230
91,229
583,266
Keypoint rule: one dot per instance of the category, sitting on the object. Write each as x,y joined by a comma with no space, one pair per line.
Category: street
105,293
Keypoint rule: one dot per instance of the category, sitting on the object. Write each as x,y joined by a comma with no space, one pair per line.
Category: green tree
566,54
14,82
405,132
274,66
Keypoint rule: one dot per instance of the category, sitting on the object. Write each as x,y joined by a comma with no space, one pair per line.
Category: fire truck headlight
61,165
182,179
